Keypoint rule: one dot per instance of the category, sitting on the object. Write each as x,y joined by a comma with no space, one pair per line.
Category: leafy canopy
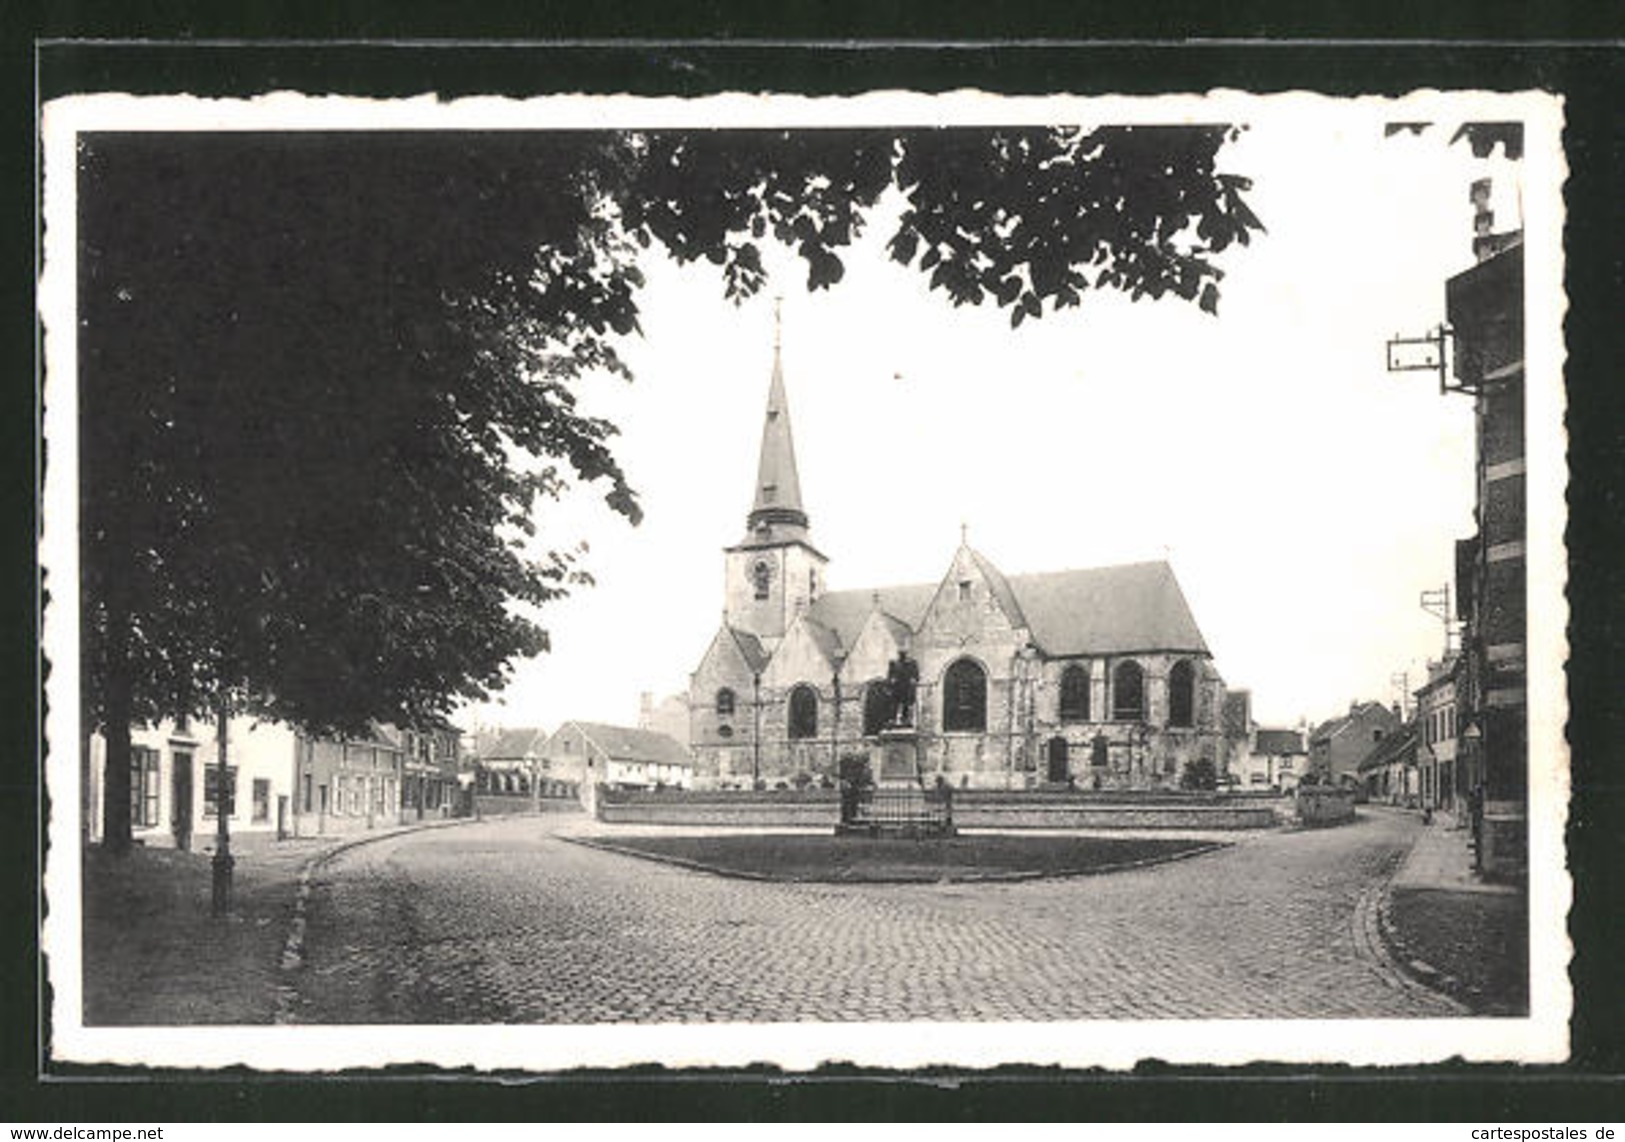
327,379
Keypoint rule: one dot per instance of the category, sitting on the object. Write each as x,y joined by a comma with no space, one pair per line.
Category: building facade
277,780
1096,677
175,783
619,757
1485,309
1445,784
1275,759
1339,745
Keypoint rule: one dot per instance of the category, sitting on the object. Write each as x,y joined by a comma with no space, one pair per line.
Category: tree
326,379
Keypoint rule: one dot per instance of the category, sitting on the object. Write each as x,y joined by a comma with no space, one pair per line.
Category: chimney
646,708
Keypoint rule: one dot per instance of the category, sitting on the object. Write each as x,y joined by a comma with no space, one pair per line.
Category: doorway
1057,760
180,804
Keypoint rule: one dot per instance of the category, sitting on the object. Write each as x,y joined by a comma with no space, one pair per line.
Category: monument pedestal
898,804
895,758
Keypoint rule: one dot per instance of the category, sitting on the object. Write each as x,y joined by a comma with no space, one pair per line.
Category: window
803,712
725,703
211,790
1182,694
1128,692
964,697
262,799
143,787
964,590
1075,694
309,782
761,575
876,707
1098,752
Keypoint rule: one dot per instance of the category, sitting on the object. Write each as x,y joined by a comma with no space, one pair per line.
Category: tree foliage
326,379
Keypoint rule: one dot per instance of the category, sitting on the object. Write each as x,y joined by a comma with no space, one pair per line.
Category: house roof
1334,726
624,743
1391,748
1093,610
1278,742
508,745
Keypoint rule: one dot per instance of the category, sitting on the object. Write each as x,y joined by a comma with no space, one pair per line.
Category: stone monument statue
902,680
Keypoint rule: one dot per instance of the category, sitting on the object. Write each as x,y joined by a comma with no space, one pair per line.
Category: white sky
1305,496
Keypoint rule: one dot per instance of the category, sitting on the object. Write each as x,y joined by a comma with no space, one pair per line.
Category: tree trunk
116,729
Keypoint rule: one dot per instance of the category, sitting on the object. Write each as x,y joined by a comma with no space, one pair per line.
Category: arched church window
876,707
1075,694
725,703
1182,694
1128,692
803,712
761,575
964,697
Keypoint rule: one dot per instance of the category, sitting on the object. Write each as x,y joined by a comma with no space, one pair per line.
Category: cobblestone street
507,922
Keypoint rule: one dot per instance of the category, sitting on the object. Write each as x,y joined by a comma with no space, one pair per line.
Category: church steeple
776,514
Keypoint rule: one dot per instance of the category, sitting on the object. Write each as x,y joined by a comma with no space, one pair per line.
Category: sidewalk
1455,932
154,955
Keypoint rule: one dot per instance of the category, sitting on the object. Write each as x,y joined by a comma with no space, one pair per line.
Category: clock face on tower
761,575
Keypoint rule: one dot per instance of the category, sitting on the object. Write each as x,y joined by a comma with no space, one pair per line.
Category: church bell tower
775,572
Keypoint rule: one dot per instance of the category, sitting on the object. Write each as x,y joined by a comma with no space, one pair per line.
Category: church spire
776,514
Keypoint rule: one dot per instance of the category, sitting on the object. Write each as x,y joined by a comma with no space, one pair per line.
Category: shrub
802,779
1199,774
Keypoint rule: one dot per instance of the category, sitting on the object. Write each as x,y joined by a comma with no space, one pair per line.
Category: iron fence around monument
906,808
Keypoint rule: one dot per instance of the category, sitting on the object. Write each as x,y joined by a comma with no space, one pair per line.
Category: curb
1201,848
293,948
1373,943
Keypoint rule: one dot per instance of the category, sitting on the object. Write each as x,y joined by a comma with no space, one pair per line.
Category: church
1095,678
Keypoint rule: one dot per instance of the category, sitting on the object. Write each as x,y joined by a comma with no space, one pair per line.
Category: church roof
845,612
623,743
776,513
1108,610
1092,610
828,639
756,655
1000,586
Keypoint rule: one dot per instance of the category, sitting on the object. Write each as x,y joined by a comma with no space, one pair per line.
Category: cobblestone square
507,922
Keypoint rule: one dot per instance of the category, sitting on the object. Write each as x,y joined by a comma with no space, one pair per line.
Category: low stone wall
1325,805
1104,815
974,810
808,811
507,804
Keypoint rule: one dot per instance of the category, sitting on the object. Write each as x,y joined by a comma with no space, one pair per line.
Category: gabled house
620,757
1338,746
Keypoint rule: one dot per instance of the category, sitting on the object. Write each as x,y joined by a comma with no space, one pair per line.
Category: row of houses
577,757
1422,762
275,779
280,781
